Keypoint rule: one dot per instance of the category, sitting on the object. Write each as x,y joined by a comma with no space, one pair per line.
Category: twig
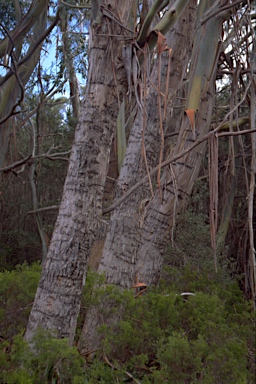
219,10
30,158
235,133
76,6
88,353
118,369
15,165
50,207
164,164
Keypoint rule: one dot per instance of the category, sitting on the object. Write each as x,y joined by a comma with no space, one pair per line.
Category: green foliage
162,338
100,372
17,291
50,361
180,359
89,298
159,337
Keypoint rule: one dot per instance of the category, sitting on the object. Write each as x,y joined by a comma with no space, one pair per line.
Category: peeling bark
178,179
123,240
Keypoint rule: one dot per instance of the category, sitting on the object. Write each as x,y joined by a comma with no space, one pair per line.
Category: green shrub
161,338
17,291
50,361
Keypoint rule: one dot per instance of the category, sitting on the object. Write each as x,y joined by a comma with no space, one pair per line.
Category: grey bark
58,296
178,179
123,241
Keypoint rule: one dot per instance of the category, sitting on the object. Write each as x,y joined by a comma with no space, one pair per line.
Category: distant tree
38,63
20,49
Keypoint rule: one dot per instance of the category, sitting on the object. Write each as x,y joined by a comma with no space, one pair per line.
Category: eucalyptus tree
34,36
23,31
142,88
37,62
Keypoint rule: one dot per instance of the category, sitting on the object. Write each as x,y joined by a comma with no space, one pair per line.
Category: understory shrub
17,292
160,337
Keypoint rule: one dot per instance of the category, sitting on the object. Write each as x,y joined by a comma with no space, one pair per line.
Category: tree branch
76,6
32,49
219,10
19,82
157,6
25,24
169,161
15,165
43,209
30,158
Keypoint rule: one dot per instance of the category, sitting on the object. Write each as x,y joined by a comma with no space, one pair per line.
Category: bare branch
219,10
15,165
76,6
35,46
30,159
167,162
43,209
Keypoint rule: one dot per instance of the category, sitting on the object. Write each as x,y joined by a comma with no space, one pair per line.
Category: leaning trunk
57,302
179,177
136,242
123,240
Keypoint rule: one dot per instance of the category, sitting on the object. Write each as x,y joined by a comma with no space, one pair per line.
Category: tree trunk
123,241
178,178
58,296
138,234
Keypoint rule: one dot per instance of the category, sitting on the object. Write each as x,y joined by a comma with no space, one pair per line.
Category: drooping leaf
161,43
191,115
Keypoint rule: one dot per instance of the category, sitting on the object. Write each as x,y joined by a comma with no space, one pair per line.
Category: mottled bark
123,239
178,179
58,296
122,243
176,185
